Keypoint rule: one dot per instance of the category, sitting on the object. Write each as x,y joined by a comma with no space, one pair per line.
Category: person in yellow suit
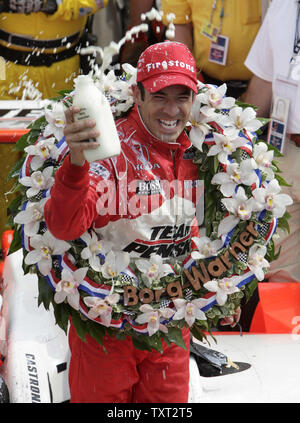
39,40
220,34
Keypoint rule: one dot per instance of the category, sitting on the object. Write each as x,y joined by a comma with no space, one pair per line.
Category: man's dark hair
142,90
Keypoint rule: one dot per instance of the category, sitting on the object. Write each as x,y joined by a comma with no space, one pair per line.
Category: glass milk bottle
94,105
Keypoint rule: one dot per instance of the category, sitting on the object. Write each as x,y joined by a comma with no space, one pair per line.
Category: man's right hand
79,136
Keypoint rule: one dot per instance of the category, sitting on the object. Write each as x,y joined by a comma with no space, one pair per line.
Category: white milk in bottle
94,105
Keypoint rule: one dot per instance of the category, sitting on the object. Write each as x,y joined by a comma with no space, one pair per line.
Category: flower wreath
107,292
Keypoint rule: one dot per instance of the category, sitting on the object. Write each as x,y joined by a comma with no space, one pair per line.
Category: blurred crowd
40,39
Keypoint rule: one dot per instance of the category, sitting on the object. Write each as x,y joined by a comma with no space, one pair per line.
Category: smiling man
164,112
154,189
167,82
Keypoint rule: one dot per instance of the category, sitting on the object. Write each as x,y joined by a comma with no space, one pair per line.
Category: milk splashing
106,55
31,92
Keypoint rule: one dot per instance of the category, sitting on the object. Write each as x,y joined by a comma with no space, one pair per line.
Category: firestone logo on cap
167,63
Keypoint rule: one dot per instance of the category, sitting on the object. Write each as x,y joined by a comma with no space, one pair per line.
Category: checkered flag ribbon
242,257
245,155
127,279
165,303
263,229
188,294
128,313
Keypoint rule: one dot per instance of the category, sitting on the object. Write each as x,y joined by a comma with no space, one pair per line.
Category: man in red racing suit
142,202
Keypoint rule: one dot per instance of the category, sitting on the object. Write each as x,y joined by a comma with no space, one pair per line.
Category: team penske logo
166,241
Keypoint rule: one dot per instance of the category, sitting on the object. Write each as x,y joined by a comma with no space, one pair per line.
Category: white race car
254,367
34,350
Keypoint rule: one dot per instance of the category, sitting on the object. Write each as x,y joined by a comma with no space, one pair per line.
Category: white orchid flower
240,208
270,199
215,98
118,89
198,133
38,181
225,146
199,122
223,288
242,119
256,261
101,307
153,269
236,174
122,89
45,149
31,217
264,158
153,317
94,247
115,263
67,287
130,70
45,246
189,310
106,83
206,247
121,107
56,119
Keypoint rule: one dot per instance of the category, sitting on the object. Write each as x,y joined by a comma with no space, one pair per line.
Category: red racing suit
143,202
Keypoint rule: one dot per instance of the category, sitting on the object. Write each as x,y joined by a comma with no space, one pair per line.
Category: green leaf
30,138
14,205
120,335
96,331
140,343
45,293
250,288
79,325
155,342
16,241
274,149
22,142
165,338
271,255
281,181
283,222
175,335
197,333
14,171
263,120
244,105
61,95
62,313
